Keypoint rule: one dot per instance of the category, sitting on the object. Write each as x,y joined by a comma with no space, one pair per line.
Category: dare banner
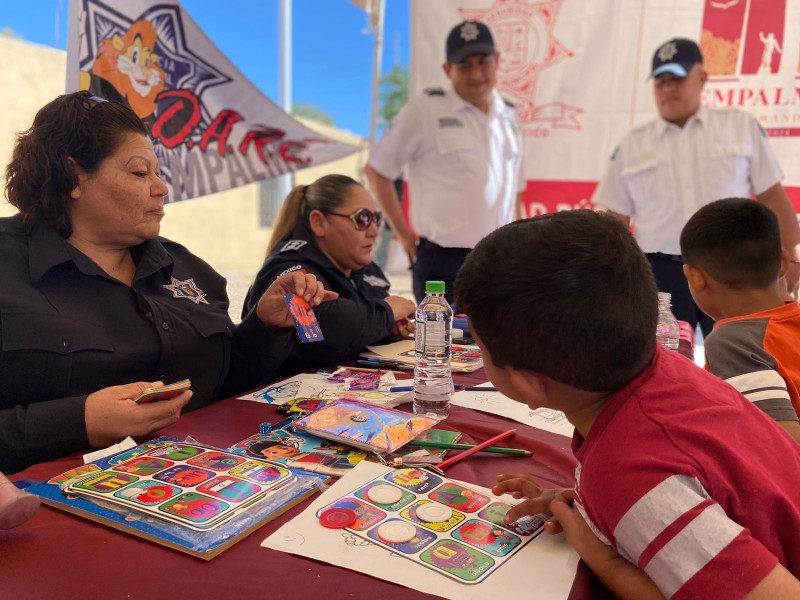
212,129
577,71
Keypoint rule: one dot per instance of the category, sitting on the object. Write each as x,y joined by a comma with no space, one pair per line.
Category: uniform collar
48,249
458,103
700,117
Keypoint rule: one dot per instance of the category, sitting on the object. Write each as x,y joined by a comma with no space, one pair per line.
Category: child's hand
523,486
622,578
568,519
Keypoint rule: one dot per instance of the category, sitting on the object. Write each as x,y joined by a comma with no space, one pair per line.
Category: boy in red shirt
683,488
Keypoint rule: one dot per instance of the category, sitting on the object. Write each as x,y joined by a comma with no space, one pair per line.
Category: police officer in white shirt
462,152
663,171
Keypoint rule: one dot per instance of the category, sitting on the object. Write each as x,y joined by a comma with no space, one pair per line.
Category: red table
58,555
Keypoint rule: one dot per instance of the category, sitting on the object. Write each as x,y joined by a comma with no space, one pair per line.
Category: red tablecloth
58,555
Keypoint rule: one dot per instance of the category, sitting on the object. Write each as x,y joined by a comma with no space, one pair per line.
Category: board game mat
468,547
184,495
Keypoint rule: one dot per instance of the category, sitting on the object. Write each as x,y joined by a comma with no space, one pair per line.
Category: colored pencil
451,461
495,449
363,370
410,388
478,388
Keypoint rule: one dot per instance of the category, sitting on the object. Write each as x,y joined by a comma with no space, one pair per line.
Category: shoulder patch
291,270
508,102
376,281
293,245
434,91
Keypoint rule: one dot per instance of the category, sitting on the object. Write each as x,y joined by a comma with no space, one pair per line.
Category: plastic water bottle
433,382
668,332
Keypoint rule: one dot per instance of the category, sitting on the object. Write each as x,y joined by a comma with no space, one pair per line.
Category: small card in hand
166,392
308,329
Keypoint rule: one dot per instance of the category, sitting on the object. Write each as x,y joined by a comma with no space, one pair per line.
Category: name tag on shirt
449,122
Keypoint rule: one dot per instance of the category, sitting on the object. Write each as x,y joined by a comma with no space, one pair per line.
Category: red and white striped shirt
692,483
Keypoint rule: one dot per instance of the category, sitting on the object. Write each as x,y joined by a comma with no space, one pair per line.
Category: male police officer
663,171
462,151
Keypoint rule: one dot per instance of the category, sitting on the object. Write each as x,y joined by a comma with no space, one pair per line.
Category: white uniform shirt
661,174
464,168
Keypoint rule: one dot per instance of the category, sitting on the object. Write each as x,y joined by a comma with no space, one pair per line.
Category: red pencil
478,448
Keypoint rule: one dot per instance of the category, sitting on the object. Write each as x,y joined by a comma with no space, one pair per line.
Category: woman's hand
111,414
403,312
272,310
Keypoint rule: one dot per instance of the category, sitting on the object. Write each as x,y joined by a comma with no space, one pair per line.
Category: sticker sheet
194,486
470,543
373,428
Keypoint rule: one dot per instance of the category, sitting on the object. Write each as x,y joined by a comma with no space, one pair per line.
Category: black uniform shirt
67,330
360,317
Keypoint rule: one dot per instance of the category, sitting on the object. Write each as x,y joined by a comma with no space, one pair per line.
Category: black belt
673,257
428,246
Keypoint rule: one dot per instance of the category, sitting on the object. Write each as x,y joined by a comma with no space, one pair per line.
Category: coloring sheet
496,403
328,390
545,564
281,392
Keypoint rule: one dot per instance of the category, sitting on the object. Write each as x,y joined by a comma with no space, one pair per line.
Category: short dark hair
568,295
39,178
737,241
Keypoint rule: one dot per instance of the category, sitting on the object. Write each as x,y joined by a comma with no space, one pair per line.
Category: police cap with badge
677,56
468,38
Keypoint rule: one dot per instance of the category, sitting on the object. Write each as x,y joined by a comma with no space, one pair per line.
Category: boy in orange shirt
733,262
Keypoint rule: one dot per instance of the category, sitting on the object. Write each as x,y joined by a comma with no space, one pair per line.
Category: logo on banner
523,32
150,62
743,53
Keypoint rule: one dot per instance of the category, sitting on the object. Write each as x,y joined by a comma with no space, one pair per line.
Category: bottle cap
384,494
396,532
433,513
434,287
337,518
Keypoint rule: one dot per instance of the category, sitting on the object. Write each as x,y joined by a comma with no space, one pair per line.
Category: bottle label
430,335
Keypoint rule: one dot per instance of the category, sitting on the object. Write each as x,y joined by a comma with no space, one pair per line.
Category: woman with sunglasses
328,229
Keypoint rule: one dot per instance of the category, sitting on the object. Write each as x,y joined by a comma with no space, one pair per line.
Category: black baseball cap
468,38
676,56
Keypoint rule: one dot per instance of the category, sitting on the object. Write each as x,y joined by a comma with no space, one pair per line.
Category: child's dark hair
737,241
568,295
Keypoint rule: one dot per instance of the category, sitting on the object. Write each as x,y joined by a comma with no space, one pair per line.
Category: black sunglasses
362,218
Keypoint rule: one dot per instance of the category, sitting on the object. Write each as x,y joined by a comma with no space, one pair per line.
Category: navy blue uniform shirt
67,329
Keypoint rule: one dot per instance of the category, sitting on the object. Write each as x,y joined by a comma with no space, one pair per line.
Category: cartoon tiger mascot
126,70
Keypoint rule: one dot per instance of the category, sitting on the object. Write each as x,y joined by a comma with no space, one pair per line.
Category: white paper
403,352
543,568
496,403
125,444
328,390
282,391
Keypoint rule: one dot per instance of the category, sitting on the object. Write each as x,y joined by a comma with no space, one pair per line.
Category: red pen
478,448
